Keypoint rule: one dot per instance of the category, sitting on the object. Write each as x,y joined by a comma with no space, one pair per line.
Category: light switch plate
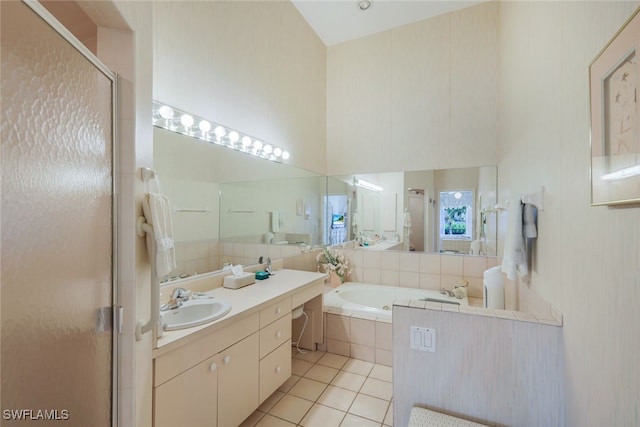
423,339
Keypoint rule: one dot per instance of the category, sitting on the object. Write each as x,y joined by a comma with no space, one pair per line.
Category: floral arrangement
332,259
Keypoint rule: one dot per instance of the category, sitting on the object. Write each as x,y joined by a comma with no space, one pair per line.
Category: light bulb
246,141
166,112
204,126
257,145
233,136
285,155
186,120
277,151
458,195
267,149
220,131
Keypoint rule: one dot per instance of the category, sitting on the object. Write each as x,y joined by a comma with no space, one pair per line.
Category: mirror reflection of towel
275,221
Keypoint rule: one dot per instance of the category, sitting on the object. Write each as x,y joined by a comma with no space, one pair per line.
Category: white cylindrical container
493,288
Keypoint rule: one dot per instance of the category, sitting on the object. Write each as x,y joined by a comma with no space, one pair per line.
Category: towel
529,229
406,231
275,221
514,260
159,216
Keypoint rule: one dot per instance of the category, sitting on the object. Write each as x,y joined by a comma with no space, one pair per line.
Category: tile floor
329,390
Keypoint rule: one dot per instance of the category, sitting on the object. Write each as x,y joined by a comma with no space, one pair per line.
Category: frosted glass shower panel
56,224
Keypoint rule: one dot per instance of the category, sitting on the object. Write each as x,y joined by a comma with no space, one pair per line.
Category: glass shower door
56,291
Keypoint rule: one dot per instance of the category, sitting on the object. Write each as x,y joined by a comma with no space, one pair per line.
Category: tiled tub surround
482,356
369,338
418,270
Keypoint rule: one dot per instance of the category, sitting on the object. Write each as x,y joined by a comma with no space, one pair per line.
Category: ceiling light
366,184
364,4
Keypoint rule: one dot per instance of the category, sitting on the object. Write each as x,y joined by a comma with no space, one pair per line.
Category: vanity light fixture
175,120
366,184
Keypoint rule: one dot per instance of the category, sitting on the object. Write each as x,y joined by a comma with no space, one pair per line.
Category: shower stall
57,205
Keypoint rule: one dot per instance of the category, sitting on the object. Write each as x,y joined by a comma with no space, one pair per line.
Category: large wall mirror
443,211
231,208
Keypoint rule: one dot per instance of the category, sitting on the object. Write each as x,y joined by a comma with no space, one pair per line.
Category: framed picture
615,118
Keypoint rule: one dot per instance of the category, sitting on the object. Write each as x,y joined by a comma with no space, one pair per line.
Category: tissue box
236,282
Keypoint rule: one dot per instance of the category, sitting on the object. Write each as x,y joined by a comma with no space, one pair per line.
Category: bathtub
377,300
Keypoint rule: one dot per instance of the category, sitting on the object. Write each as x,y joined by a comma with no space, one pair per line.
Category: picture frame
614,79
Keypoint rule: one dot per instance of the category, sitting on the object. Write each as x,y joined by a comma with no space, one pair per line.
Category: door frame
116,310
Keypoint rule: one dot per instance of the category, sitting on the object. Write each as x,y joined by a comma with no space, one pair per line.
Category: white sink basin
194,313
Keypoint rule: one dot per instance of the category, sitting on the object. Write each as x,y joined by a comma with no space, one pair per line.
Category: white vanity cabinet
212,381
219,375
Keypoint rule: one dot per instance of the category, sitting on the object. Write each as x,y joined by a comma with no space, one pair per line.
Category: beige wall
251,65
124,45
422,96
489,366
587,259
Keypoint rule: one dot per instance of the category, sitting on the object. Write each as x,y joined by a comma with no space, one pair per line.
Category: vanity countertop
244,301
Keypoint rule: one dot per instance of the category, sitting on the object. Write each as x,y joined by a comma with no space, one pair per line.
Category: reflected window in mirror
456,220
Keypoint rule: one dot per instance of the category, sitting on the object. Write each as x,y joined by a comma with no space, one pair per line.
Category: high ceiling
337,21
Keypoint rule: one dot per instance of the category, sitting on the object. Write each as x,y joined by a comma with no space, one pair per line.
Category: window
456,215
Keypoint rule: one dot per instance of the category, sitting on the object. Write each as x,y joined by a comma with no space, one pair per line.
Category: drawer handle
213,367
226,360
278,310
278,334
278,369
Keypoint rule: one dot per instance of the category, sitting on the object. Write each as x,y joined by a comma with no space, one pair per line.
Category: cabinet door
238,381
190,399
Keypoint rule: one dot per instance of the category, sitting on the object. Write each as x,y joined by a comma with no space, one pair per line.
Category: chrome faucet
178,296
268,268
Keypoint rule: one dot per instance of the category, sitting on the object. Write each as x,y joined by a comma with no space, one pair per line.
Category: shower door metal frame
116,310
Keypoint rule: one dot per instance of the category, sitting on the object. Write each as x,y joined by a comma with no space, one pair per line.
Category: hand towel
159,216
529,229
406,228
514,260
275,221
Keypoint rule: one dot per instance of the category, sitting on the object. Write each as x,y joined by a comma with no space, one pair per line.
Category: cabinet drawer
275,369
273,335
275,311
